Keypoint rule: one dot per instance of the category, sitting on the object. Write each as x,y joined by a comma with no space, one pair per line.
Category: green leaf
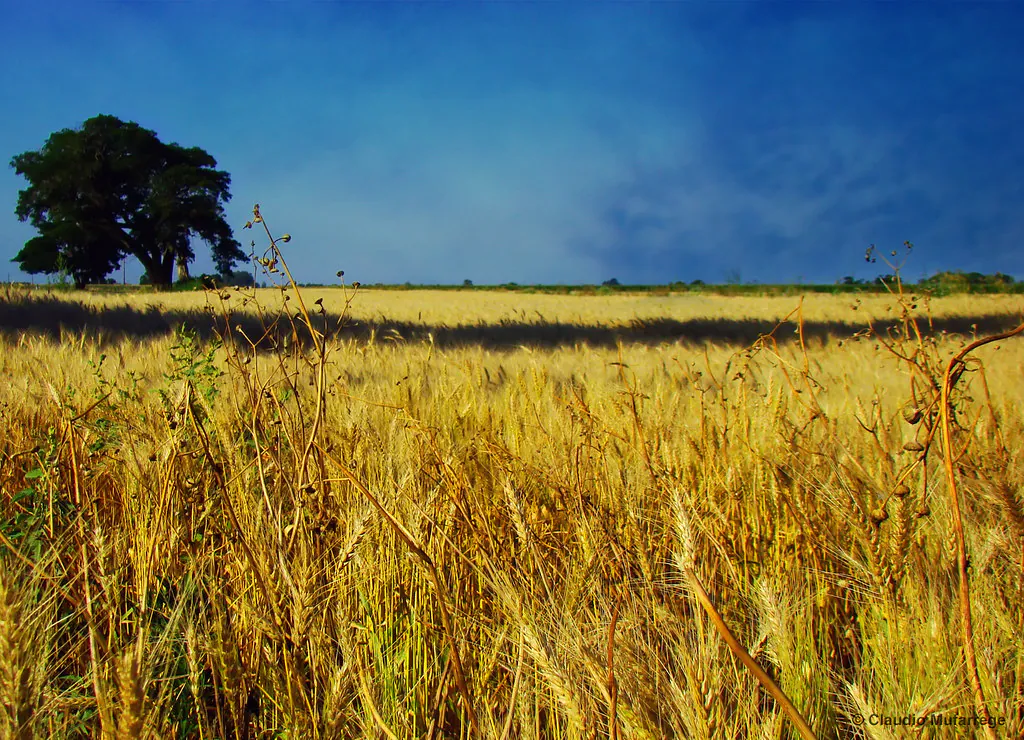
22,494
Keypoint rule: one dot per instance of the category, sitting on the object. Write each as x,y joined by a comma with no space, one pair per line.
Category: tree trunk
183,276
158,269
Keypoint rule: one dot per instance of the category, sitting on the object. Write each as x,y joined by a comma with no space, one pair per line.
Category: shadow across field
59,319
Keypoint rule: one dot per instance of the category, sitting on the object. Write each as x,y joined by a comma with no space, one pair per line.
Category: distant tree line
956,281
972,282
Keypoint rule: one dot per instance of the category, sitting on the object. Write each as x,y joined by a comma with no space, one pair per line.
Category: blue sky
549,142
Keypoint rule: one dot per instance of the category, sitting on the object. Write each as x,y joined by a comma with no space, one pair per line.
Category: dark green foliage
111,189
69,249
970,282
240,278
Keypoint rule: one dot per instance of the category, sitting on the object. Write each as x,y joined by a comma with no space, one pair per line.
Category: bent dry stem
428,564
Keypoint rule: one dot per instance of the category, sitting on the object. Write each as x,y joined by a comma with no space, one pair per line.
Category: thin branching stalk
953,372
319,343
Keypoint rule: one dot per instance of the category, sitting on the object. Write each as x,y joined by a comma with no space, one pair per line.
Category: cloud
557,143
834,138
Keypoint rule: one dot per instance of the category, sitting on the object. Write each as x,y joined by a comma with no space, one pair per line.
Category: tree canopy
110,189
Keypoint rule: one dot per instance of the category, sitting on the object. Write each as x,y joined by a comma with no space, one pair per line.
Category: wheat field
338,513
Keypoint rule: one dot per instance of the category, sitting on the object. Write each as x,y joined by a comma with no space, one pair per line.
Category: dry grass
396,537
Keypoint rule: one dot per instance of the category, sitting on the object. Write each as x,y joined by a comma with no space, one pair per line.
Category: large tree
112,188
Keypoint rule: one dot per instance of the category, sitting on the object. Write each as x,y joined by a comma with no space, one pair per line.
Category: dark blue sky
560,142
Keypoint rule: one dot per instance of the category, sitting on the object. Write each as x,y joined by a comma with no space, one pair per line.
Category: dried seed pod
912,415
879,515
901,490
913,446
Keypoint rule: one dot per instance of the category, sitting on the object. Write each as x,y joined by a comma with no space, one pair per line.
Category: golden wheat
448,513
